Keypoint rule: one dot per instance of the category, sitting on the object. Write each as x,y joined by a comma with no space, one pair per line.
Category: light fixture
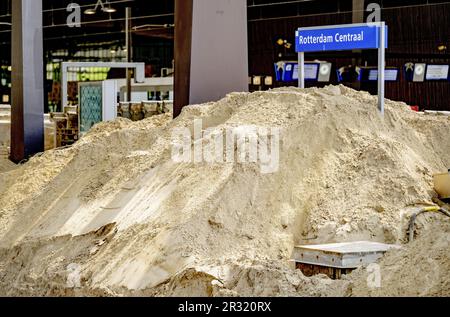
442,47
105,8
109,9
89,11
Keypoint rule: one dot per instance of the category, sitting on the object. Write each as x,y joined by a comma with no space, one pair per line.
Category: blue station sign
338,38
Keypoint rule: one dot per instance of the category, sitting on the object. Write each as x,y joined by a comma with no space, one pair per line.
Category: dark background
416,29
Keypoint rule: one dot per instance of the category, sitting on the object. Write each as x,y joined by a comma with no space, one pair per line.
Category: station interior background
419,31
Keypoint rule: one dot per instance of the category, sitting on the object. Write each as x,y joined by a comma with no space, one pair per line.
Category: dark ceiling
154,18
154,14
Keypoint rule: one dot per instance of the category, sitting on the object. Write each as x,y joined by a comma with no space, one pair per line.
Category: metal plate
342,255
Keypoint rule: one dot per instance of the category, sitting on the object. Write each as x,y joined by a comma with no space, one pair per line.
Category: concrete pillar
211,50
27,113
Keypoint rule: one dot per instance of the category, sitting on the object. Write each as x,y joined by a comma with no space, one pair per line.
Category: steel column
211,50
129,48
27,113
183,43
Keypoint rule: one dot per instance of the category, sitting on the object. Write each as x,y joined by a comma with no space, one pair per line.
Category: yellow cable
432,209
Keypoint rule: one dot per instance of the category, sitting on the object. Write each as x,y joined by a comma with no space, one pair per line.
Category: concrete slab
342,255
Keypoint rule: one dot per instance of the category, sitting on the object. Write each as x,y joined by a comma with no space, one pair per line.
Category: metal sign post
381,67
301,69
344,37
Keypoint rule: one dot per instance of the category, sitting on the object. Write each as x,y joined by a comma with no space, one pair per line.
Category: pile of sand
5,163
115,215
420,269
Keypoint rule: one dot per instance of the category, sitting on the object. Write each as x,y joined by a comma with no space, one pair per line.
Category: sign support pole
381,67
301,70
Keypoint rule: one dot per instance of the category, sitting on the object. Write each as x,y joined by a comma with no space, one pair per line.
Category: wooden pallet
332,272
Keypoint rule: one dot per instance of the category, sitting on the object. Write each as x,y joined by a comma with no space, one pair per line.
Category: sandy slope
120,213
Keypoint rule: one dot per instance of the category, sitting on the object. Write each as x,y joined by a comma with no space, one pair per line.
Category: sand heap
115,215
420,269
5,164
